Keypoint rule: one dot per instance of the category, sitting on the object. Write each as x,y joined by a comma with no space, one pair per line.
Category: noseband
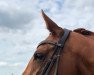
56,55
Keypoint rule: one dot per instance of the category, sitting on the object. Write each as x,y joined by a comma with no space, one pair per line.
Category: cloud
13,16
16,64
3,63
14,19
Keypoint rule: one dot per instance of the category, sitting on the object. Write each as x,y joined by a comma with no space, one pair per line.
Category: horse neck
83,48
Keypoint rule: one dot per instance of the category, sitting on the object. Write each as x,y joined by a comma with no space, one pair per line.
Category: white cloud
78,13
14,18
8,64
3,63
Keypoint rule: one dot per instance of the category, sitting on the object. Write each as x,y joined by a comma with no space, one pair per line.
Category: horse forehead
44,48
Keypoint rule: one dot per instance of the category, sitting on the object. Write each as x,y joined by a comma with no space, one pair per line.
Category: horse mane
84,31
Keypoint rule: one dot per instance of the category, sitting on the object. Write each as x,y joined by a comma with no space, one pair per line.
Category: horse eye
39,56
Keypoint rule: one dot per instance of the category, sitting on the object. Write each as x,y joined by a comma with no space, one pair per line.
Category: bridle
56,55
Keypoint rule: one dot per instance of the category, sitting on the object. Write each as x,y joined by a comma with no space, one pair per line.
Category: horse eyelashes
39,56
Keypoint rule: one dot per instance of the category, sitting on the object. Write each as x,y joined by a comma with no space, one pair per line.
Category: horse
63,52
85,32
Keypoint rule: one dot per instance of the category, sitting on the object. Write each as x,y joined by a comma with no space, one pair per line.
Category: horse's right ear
51,25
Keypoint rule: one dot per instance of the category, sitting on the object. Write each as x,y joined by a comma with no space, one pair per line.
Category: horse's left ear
51,26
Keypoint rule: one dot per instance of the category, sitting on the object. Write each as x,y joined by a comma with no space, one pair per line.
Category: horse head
76,57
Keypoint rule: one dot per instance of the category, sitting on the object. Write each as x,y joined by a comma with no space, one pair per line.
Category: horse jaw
51,25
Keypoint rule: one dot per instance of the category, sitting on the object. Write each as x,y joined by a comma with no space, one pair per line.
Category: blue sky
22,27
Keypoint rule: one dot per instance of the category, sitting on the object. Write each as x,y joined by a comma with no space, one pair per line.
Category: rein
56,55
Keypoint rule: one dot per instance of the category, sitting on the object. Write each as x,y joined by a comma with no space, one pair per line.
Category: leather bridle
56,55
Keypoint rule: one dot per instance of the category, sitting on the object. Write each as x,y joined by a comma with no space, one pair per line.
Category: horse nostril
39,56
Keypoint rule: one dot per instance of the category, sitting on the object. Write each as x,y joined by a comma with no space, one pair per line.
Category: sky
22,27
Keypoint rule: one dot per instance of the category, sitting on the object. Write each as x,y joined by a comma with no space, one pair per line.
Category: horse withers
73,56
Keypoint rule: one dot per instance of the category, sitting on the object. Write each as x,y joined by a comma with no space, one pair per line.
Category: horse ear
51,25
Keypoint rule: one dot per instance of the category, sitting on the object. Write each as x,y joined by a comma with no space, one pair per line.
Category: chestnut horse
76,57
